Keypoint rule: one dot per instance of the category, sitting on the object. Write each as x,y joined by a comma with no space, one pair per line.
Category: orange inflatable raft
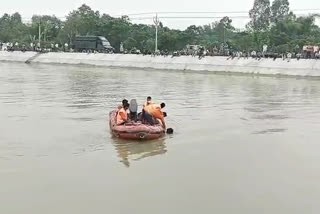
134,130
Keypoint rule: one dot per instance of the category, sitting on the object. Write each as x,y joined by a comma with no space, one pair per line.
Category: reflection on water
133,151
270,131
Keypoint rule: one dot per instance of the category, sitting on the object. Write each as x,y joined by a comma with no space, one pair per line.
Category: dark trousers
133,116
147,118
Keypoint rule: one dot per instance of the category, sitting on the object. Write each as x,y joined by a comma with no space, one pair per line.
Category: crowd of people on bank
284,56
53,47
151,113
200,53
258,55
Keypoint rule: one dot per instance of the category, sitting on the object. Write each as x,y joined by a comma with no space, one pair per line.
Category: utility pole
224,34
39,32
156,22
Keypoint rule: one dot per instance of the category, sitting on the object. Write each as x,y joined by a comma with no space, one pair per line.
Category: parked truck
92,43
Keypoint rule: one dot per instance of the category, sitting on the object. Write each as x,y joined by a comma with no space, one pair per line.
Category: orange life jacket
154,110
120,119
146,103
149,108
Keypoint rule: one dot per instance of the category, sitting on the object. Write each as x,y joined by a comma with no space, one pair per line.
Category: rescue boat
134,130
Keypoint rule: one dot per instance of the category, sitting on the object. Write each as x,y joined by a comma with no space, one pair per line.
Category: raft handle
142,135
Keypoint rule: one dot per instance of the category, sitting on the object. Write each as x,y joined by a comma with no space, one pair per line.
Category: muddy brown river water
242,144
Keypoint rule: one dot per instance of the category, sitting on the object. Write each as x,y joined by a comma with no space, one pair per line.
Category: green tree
50,27
116,30
243,41
130,43
260,15
279,10
168,40
83,21
223,29
287,31
193,34
12,29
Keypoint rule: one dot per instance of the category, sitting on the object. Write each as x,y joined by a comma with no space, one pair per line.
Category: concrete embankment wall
211,64
16,56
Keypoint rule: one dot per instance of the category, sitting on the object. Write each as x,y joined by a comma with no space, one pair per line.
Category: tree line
270,24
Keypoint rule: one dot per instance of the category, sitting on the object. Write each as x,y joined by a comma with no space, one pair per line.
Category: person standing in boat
133,108
154,111
122,116
148,102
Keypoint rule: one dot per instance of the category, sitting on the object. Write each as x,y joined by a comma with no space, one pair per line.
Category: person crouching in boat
124,102
154,111
122,116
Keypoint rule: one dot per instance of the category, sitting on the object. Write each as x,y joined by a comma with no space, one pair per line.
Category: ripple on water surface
237,141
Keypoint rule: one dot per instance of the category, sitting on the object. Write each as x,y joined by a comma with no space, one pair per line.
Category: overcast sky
61,8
